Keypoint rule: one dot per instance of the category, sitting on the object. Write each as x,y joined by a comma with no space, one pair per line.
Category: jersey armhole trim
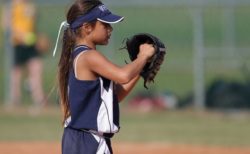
75,63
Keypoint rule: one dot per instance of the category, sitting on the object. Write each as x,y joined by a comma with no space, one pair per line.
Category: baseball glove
152,67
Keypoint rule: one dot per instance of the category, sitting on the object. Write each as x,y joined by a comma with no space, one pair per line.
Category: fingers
147,50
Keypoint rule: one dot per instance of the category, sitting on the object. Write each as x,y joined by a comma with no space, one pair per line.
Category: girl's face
101,33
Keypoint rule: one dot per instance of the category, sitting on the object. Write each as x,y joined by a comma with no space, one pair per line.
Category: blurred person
90,85
20,18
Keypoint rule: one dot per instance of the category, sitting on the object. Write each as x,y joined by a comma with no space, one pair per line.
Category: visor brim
111,19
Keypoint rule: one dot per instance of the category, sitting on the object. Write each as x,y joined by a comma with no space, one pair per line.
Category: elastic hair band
64,24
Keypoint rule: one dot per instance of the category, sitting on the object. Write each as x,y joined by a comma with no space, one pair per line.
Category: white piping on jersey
67,121
80,46
75,62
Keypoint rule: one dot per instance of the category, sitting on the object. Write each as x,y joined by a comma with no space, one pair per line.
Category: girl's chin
104,43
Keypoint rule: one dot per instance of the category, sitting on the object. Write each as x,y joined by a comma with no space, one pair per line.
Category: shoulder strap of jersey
79,49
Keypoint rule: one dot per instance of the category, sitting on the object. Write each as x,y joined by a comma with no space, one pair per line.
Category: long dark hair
80,7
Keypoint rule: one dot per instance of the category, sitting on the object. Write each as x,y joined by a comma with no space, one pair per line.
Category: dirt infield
121,148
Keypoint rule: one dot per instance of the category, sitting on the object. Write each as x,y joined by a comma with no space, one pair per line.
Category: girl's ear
87,28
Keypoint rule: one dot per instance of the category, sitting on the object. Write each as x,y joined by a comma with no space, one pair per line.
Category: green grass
184,127
22,125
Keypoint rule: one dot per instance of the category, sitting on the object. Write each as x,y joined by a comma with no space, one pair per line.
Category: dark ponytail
65,65
80,7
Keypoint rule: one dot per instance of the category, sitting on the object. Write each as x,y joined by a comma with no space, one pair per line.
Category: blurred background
201,96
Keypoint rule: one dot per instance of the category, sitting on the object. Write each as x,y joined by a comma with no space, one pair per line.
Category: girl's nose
110,28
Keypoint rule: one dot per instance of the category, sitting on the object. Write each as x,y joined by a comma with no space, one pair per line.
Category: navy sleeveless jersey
93,104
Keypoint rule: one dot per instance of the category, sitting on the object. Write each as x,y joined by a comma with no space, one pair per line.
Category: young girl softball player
90,85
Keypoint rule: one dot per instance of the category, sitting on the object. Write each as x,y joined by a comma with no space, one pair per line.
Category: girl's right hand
146,50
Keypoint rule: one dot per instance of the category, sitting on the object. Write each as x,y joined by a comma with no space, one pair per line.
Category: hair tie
64,24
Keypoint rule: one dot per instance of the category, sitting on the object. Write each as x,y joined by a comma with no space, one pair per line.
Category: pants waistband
105,135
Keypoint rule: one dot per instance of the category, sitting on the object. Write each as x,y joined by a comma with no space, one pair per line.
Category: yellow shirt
22,23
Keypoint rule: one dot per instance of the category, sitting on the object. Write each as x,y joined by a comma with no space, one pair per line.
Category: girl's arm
122,90
93,63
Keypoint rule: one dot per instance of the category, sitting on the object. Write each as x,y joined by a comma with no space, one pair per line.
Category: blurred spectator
20,17
146,101
149,101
